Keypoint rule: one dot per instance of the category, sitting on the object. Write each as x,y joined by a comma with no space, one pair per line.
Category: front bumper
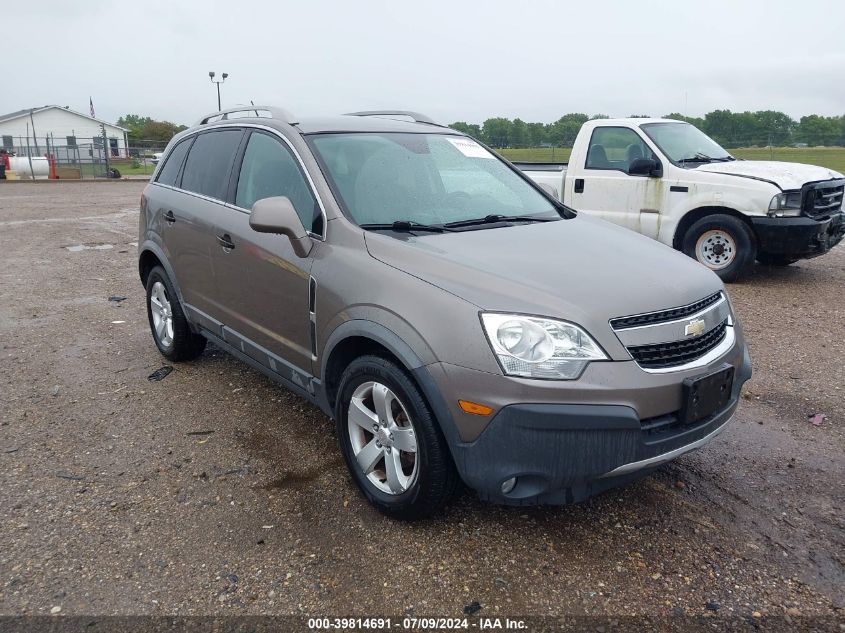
564,453
800,237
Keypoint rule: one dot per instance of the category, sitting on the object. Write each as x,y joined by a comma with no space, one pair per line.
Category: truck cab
669,181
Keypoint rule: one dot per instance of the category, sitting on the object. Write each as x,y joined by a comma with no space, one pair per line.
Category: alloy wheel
383,438
162,313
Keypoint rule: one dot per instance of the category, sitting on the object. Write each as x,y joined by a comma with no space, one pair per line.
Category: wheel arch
360,337
694,215
356,338
150,256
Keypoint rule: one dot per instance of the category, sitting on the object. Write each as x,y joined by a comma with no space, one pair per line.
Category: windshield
683,142
424,179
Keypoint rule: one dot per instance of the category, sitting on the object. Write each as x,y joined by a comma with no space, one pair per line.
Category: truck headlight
786,204
534,347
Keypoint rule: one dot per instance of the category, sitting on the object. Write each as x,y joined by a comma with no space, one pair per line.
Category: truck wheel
723,243
768,259
391,442
171,331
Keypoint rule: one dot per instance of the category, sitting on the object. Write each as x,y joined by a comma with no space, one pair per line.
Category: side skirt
278,370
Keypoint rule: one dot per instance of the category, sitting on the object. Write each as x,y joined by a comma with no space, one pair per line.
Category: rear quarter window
170,170
209,163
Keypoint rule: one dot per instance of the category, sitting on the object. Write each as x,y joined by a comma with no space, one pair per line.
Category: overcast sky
454,60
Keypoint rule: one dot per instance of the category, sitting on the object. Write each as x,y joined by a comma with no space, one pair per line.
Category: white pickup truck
668,180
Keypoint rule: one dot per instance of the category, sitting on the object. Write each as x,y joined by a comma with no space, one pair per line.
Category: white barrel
40,165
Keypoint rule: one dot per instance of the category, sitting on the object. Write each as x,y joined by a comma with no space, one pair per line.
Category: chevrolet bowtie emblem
694,328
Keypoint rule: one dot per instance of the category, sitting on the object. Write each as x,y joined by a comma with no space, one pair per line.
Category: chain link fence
87,158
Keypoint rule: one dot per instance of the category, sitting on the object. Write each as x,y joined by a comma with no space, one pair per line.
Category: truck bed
551,174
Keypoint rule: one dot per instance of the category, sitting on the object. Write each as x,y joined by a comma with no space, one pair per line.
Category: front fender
745,196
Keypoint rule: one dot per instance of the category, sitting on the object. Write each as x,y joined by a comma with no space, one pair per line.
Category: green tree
496,132
472,129
562,132
518,134
777,127
134,125
537,134
144,128
819,130
692,120
161,131
719,124
747,130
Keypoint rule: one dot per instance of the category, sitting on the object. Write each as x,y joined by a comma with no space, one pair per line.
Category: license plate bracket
704,395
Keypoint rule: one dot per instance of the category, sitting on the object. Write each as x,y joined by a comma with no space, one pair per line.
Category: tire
424,479
768,259
170,329
723,243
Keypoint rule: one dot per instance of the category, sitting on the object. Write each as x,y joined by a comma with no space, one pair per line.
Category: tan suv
456,321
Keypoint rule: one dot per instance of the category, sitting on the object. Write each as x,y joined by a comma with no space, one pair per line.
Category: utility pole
34,137
211,76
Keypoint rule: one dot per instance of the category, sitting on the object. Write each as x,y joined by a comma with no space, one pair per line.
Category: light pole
211,75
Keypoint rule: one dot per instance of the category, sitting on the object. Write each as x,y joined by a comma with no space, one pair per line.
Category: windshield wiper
496,218
406,226
698,157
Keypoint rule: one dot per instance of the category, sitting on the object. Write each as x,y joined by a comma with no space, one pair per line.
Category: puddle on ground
303,479
89,247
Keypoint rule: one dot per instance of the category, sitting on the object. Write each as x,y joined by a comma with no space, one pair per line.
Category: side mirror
548,189
645,167
277,215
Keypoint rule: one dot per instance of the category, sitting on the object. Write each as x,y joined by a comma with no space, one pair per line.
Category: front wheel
723,243
390,440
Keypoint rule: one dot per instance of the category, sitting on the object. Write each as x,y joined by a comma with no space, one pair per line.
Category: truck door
604,188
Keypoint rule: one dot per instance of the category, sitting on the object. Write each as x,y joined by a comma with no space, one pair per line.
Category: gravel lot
215,492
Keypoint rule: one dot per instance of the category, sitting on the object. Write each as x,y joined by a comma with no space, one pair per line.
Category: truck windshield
424,179
685,143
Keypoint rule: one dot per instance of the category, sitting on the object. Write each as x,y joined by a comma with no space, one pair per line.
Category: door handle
226,242
579,185
169,217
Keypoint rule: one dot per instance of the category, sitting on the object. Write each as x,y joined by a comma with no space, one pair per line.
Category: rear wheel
390,440
723,243
172,333
768,259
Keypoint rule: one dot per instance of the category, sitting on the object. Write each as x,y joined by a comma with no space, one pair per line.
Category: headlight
534,347
787,203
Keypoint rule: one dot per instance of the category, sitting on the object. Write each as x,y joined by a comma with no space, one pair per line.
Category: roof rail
415,116
273,111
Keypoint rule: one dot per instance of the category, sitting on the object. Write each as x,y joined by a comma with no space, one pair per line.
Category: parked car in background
669,181
455,321
156,158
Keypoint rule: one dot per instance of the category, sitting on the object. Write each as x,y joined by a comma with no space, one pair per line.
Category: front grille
823,198
678,353
672,314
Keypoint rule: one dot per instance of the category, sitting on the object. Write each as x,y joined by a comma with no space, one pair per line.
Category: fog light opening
508,485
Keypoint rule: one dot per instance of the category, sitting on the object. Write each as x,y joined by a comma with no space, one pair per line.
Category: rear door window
210,163
269,169
170,171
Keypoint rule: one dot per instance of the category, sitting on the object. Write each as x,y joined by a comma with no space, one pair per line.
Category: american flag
91,103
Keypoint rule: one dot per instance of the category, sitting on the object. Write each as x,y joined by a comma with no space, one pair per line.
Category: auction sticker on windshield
470,148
